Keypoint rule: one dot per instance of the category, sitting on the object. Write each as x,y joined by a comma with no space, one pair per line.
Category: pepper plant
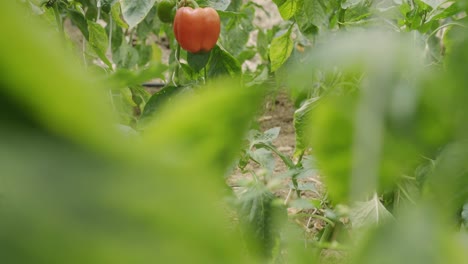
98,166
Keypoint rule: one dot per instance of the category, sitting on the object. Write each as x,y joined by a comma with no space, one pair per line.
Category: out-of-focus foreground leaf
403,113
365,140
418,237
73,190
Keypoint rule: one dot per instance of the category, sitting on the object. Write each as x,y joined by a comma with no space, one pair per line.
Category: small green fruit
166,10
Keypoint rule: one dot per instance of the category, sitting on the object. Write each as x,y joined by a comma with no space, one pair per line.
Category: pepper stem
189,3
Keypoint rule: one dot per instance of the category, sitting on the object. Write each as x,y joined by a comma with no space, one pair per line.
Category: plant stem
326,233
204,71
287,197
58,18
330,222
176,70
289,163
99,10
341,17
111,28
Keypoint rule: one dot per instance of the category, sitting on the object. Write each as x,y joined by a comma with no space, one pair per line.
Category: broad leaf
116,15
223,63
126,56
312,16
301,118
267,137
434,3
417,237
216,4
80,21
280,50
99,41
369,214
262,219
198,60
124,77
134,11
288,8
195,138
350,3
156,101
235,31
52,85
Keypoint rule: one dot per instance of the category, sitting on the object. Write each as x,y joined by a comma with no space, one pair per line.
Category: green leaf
449,178
223,63
134,11
126,56
267,137
94,197
350,3
235,31
263,41
156,102
198,60
262,219
288,8
195,140
144,54
312,16
442,13
418,236
301,118
125,77
303,204
216,4
280,50
265,159
80,21
369,214
433,3
56,91
117,15
99,41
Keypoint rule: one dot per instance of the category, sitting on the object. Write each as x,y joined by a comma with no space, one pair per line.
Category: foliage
97,167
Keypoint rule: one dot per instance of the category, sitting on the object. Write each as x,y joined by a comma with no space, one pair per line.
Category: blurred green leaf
255,137
99,41
262,219
301,118
369,214
126,56
380,128
124,77
198,60
312,16
135,11
52,87
280,50
235,31
417,237
116,15
350,3
265,159
80,21
223,63
216,4
220,101
287,8
157,100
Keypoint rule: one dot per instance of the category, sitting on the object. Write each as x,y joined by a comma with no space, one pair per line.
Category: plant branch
58,18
